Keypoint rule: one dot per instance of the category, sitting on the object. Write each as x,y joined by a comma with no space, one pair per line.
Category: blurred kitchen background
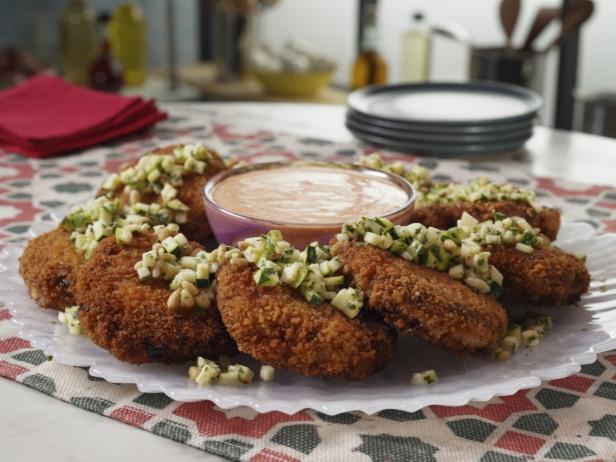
318,50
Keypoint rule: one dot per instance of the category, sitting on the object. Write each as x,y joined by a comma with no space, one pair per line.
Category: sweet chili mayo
308,195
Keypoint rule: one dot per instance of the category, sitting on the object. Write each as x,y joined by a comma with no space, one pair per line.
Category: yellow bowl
293,84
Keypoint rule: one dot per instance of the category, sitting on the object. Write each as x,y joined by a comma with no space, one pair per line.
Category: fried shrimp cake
49,267
278,326
446,215
546,276
423,302
130,317
196,227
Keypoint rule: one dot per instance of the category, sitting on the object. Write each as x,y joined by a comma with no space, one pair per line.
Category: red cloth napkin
47,115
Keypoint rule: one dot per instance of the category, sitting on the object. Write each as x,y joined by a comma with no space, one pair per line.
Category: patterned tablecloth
567,419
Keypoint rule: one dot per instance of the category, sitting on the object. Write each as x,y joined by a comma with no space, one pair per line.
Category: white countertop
574,156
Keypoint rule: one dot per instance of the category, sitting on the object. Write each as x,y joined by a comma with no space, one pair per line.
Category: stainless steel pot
518,67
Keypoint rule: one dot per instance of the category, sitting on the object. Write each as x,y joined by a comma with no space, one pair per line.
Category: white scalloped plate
580,332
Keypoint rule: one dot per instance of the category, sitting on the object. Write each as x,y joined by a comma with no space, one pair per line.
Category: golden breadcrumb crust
546,276
277,326
49,267
444,216
130,318
424,302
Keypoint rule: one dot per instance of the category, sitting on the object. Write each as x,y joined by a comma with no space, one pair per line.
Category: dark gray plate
476,103
470,129
444,138
445,150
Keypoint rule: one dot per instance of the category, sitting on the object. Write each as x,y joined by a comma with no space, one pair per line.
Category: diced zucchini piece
228,378
349,229
531,337
236,374
523,248
349,301
274,235
510,343
372,226
515,330
264,263
188,262
528,238
497,216
310,254
384,223
333,281
267,373
153,176
477,284
183,275
332,266
201,361
294,274
324,268
143,272
200,167
469,249
496,275
181,217
267,277
480,261
167,164
203,275
440,256
149,258
508,238
76,220
454,234
100,230
123,236
113,182
189,164
423,256
312,296
375,239
424,378
467,221
501,355
244,374
393,232
172,246
70,317
450,245
168,193
544,320
398,247
208,371
106,215
177,205
456,272
181,240
252,254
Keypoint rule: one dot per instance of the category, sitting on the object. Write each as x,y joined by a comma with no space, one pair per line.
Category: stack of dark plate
444,119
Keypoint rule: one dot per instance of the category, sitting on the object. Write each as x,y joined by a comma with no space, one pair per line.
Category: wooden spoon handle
509,13
544,17
573,18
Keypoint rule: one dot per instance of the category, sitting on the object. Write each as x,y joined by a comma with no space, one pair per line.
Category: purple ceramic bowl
230,227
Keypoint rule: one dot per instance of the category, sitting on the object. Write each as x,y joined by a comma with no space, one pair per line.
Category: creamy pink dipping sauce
308,195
